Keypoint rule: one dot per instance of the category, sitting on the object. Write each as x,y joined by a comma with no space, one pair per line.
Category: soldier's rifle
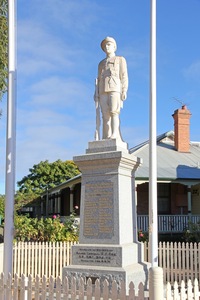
97,106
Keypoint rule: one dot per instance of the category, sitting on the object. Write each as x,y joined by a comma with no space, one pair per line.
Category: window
163,198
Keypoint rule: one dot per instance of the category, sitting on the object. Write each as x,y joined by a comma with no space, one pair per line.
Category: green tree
47,175
2,205
43,176
22,199
3,46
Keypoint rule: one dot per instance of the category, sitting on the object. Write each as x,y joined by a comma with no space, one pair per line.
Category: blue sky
58,51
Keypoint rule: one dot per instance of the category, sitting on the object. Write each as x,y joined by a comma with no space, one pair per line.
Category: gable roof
171,164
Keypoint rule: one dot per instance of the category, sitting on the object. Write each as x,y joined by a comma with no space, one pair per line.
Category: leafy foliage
3,46
45,229
43,176
22,199
47,175
192,233
142,236
2,205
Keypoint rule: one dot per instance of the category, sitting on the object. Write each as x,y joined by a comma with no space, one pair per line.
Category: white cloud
68,13
45,134
60,91
39,51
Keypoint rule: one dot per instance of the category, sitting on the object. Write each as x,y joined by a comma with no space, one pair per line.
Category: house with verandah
178,182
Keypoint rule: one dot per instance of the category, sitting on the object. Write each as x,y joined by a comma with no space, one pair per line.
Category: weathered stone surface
108,245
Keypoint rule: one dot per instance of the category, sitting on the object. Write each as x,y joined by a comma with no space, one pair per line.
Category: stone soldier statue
111,89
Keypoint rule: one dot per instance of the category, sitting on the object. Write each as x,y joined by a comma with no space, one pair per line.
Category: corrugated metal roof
171,164
65,184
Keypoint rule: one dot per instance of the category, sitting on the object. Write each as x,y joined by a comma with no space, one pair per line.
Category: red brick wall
182,129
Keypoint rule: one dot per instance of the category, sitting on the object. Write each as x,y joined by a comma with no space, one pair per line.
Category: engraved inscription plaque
97,256
98,210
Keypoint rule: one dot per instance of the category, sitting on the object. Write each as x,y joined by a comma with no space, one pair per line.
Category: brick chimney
182,129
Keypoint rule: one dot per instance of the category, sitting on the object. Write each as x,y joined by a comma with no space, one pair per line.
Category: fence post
156,289
26,288
1,257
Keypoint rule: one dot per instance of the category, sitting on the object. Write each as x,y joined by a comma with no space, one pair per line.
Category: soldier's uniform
112,83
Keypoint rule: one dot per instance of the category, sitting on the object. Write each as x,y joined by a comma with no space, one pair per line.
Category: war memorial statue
110,91
108,247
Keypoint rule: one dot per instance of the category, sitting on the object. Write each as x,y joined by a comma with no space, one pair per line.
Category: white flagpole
153,226
10,140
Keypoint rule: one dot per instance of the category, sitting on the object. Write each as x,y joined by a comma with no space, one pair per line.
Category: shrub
192,233
142,236
45,229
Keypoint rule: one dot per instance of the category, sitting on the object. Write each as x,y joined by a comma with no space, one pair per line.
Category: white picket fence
41,263
23,288
180,261
42,289
47,258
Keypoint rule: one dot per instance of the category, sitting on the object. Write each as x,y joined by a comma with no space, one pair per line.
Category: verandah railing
168,223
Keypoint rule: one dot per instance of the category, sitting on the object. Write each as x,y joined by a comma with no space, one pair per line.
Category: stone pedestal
108,246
